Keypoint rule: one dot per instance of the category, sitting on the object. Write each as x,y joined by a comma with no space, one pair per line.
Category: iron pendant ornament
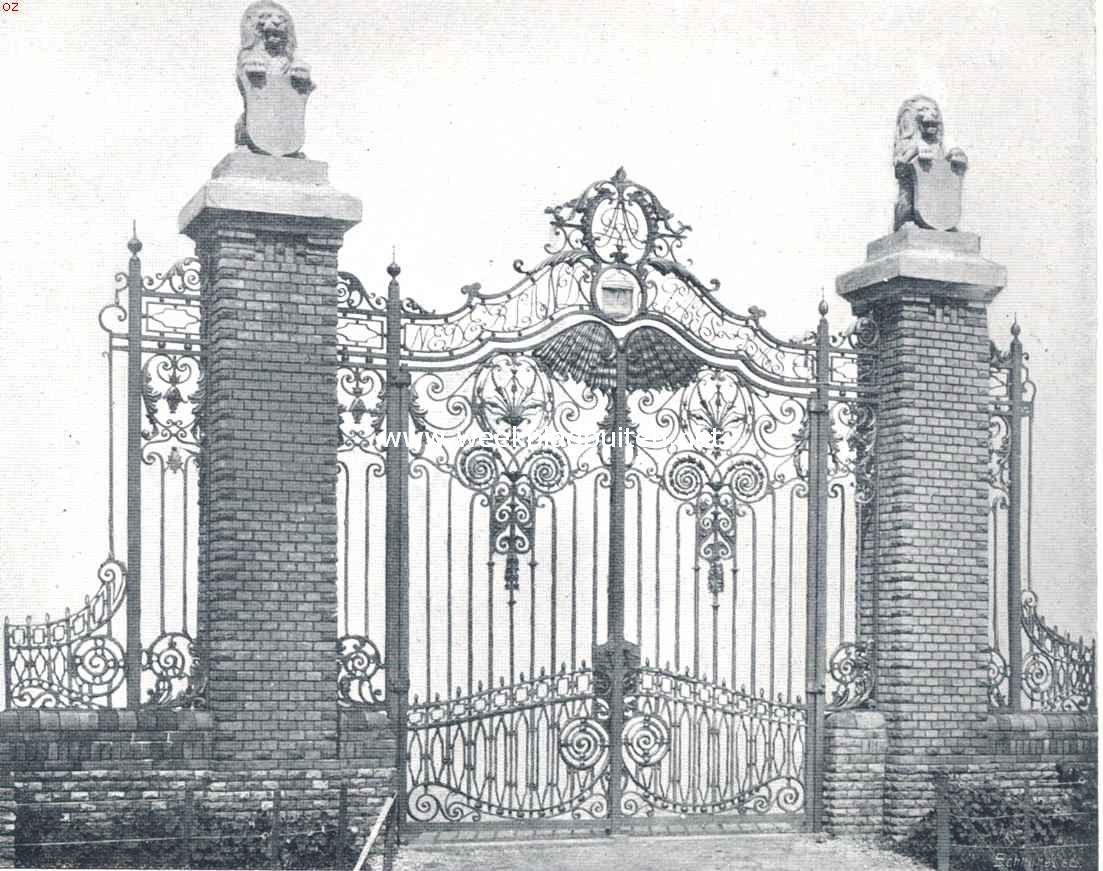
274,83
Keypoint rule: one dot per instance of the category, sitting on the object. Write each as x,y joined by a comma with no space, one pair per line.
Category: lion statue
919,135
268,47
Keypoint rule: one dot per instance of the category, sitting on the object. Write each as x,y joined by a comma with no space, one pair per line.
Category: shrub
989,828
50,837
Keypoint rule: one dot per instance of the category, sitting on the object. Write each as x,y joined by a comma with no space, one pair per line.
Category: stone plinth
292,190
267,232
927,610
945,265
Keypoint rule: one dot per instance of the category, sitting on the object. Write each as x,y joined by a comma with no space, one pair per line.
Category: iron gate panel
557,485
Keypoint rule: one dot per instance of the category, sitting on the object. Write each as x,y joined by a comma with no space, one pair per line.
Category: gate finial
135,244
930,178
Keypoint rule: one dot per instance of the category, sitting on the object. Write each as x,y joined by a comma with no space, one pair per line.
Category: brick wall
124,743
1018,749
1026,748
7,820
854,773
95,765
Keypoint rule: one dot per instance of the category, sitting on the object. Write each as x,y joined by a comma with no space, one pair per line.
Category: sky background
768,128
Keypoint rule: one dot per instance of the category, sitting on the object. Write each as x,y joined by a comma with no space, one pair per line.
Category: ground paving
741,852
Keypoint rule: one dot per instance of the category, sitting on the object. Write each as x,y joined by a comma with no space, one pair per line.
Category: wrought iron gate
609,572
610,593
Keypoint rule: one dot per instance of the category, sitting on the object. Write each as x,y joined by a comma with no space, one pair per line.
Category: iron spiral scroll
539,749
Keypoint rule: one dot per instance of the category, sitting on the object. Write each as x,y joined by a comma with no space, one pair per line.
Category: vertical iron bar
448,616
189,821
532,596
429,588
678,588
367,550
789,598
617,473
275,835
161,546
815,663
658,576
639,561
696,613
574,576
7,666
593,585
942,822
773,585
1028,826
397,531
184,551
1014,521
753,683
134,478
342,825
553,660
471,594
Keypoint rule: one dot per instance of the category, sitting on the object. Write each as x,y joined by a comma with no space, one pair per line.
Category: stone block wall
854,773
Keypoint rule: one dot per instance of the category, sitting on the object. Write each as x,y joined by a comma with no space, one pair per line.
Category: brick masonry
1026,748
854,773
1019,749
96,764
933,536
269,532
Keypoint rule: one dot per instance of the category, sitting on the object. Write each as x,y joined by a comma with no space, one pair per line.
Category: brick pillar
267,232
928,293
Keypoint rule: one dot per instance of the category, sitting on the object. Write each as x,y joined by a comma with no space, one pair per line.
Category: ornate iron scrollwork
996,675
360,670
1058,673
72,662
851,668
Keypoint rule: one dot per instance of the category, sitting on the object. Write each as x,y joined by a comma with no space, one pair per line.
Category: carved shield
275,114
937,194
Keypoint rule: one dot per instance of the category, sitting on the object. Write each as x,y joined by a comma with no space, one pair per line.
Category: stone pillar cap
935,262
284,187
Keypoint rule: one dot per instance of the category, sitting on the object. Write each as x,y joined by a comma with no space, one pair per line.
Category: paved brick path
779,852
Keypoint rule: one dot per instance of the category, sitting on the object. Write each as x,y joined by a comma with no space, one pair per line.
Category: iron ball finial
135,244
823,308
1015,328
393,270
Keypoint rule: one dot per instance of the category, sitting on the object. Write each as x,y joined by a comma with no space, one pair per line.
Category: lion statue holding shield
918,149
274,84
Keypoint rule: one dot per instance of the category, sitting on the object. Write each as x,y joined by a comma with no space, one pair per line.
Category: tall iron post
1014,522
397,533
134,477
618,420
819,433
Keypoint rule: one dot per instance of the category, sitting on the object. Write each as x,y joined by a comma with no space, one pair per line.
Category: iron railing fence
1031,664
